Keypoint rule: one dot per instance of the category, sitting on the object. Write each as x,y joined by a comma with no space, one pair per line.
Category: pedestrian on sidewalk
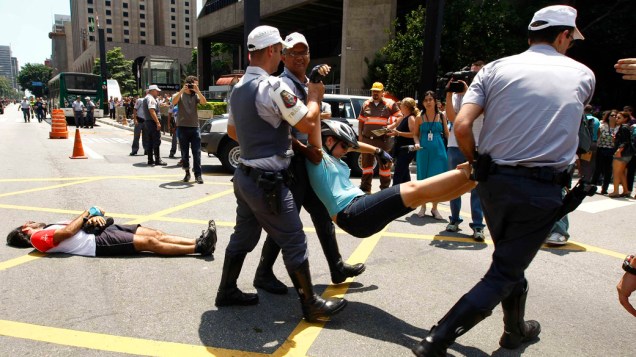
25,106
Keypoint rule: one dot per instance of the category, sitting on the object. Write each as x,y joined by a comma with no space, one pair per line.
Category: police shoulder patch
288,99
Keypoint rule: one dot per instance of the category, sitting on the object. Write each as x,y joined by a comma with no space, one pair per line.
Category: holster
575,197
272,184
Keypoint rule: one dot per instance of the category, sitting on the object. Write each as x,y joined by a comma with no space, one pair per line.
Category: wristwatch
627,266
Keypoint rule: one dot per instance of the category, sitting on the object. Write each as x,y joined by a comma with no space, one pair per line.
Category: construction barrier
58,125
78,149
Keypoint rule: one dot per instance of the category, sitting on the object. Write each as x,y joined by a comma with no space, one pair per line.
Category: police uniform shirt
295,85
25,104
533,103
140,111
153,104
78,106
270,112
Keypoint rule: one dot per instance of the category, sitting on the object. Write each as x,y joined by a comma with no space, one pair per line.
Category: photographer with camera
188,126
454,98
520,173
91,234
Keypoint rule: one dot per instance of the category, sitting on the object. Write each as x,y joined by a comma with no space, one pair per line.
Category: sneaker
556,239
206,243
478,234
453,226
171,156
198,179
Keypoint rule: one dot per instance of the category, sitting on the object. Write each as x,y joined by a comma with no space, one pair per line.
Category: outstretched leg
439,188
151,244
164,237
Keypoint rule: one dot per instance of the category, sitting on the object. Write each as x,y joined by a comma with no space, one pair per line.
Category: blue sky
25,26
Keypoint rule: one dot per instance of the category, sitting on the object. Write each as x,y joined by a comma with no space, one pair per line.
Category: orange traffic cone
78,149
58,125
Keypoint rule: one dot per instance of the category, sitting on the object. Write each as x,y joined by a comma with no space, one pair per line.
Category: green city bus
66,86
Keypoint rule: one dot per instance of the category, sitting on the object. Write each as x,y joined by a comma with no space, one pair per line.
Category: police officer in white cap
520,175
262,112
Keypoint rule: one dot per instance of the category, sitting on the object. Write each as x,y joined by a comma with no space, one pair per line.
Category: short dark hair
191,79
548,34
17,238
479,63
588,109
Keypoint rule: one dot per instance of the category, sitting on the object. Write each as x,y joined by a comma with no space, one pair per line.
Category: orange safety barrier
58,125
78,149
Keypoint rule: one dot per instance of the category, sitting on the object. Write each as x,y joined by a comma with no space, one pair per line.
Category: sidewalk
130,127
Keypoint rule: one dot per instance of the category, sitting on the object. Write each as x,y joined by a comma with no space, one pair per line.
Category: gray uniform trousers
253,215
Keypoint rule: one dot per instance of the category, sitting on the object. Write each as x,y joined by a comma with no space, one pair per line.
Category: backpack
585,136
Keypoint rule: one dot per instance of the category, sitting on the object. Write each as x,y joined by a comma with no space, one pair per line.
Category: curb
111,122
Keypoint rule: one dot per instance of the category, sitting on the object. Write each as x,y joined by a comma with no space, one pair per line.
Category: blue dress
431,158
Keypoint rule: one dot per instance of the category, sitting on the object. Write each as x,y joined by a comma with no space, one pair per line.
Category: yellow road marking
83,178
21,260
112,343
181,207
48,187
305,334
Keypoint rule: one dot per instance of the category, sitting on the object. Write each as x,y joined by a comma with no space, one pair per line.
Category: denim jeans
190,138
455,157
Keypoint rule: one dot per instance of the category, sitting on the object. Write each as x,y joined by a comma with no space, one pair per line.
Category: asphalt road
61,305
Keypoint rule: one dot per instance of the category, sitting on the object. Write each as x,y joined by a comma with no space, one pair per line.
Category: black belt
541,173
255,173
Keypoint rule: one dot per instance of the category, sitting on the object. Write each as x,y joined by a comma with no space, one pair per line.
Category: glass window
125,5
91,38
142,24
108,13
187,11
174,33
90,10
126,32
174,26
187,3
109,39
89,1
142,7
172,9
187,27
109,30
174,42
143,42
142,16
143,33
187,35
187,43
125,13
172,2
172,18
126,40
187,19
107,2
126,23
109,22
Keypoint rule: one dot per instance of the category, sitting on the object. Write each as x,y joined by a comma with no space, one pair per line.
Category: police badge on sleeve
288,99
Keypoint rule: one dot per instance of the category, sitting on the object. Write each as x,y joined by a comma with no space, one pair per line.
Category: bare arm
154,117
414,127
464,129
312,118
72,228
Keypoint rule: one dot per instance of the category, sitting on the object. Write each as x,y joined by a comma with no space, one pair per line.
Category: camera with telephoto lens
315,76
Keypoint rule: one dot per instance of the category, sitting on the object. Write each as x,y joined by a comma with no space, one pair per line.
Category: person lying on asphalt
91,234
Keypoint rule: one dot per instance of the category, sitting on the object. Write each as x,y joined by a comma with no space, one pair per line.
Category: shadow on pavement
453,243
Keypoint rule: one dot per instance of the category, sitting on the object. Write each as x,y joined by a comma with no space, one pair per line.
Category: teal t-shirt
595,125
330,181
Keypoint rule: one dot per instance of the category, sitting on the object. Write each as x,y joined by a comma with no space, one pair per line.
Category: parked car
215,141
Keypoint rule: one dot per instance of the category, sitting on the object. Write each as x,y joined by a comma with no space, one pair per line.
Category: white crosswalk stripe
105,140
604,205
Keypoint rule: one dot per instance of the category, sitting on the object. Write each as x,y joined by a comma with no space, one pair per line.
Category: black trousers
154,137
403,159
604,159
631,169
520,212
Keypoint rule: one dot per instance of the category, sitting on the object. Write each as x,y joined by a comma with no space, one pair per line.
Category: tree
191,68
118,68
6,90
35,72
220,63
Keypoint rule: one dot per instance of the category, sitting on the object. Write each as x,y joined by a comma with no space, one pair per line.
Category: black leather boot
516,330
340,270
461,318
229,294
315,308
151,159
158,160
264,277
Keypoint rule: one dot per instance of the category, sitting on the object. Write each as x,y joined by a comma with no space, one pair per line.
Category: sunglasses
344,145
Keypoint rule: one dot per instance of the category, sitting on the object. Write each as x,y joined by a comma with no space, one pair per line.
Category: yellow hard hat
377,86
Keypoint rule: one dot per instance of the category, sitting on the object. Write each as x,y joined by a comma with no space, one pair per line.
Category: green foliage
119,68
34,72
191,68
403,55
6,90
376,71
217,107
220,63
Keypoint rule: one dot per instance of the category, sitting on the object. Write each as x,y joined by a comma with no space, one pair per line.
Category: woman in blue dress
431,152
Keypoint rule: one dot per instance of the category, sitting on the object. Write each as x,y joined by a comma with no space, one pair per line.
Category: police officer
152,125
263,110
296,60
520,189
90,113
139,130
376,113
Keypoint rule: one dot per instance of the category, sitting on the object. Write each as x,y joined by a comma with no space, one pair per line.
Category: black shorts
116,239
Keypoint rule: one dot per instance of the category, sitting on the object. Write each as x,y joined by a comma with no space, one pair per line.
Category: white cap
264,36
556,15
154,87
295,38
88,98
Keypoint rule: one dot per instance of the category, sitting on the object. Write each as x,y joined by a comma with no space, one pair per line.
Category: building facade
139,27
7,69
